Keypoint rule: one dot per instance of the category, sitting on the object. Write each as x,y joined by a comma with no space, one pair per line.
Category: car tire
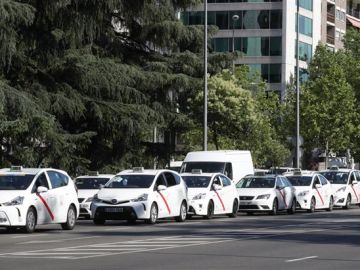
30,221
183,213
99,221
275,207
210,210
348,202
331,204
312,205
189,216
234,209
153,214
292,209
70,219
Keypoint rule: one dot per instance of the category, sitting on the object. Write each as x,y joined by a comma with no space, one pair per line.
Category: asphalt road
322,240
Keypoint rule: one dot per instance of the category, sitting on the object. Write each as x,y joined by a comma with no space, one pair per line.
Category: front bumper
132,210
303,203
255,205
85,210
340,200
12,216
198,207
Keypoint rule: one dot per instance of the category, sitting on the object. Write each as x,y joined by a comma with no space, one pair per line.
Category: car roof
145,172
201,174
96,176
338,170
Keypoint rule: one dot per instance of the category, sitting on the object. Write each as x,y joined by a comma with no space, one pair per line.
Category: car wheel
189,216
70,220
292,209
312,206
30,221
348,202
234,209
98,221
274,209
153,214
331,204
210,210
183,213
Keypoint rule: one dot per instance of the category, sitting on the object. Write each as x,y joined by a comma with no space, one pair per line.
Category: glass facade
303,74
305,51
248,19
305,26
242,1
271,73
306,4
250,46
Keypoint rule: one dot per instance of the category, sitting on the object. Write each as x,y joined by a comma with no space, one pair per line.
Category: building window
305,51
256,19
306,4
275,46
276,19
221,44
274,73
222,19
270,73
303,75
255,46
305,25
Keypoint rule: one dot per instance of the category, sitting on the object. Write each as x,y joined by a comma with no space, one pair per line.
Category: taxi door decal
283,197
322,201
357,198
46,206
222,204
167,206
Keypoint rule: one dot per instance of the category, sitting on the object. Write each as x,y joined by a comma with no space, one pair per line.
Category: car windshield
298,180
16,182
197,181
336,177
206,167
90,182
131,181
256,182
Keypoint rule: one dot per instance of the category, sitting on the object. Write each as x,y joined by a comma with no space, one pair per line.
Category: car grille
246,198
81,200
248,207
118,202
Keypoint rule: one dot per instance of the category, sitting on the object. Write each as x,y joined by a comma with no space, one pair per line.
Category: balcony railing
353,12
331,17
330,39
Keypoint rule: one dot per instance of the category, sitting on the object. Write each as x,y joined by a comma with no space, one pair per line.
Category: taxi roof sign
297,171
93,173
260,173
196,171
334,168
138,169
16,168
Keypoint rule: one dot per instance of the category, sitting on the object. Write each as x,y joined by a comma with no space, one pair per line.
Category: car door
42,200
288,191
228,195
175,194
319,193
218,196
354,188
280,194
162,197
326,189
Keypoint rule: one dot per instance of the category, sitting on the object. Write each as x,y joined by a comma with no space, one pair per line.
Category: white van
233,163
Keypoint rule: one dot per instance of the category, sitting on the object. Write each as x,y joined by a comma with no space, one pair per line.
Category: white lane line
56,240
118,229
302,259
31,235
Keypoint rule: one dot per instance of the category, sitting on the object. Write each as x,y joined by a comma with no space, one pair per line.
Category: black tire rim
210,209
30,220
312,205
274,207
235,207
71,217
153,214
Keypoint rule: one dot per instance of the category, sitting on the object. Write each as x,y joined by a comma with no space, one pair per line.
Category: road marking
302,259
32,235
56,240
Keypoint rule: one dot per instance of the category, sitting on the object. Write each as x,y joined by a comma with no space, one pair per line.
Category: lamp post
297,89
205,78
234,19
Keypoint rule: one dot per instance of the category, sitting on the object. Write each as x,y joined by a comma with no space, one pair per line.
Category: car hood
336,187
8,195
195,191
299,189
254,191
87,193
121,194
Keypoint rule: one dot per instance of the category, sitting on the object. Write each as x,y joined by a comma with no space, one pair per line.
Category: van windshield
206,167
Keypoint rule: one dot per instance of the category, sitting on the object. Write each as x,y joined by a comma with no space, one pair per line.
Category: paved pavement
322,240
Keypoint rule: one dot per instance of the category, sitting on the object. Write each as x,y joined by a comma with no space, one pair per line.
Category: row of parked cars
30,197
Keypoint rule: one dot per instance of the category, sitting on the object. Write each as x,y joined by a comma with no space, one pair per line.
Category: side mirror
354,182
317,186
161,188
217,187
101,186
41,189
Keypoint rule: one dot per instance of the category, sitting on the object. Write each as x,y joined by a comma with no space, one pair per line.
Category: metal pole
297,89
233,42
205,77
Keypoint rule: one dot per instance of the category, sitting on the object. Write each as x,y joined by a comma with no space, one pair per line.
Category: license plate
114,210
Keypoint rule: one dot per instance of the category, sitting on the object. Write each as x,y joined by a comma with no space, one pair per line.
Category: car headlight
16,201
96,198
89,199
341,189
263,197
303,193
141,198
199,196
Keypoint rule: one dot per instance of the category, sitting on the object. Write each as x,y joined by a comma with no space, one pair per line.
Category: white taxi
141,194
88,186
210,194
30,197
266,193
313,191
345,186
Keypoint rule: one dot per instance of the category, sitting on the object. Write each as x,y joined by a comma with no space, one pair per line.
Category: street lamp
205,131
297,150
234,19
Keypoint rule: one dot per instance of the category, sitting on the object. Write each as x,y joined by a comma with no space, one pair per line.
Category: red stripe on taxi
46,206
167,206
223,206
